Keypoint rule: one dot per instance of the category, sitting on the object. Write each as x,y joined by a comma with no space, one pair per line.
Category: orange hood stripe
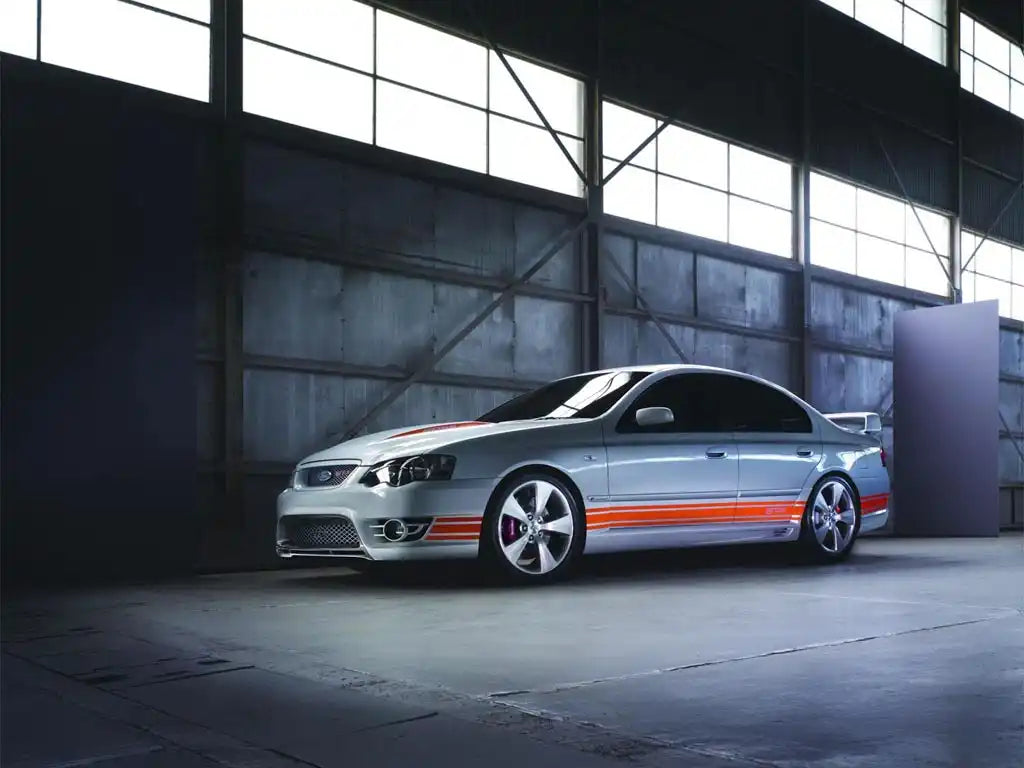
438,428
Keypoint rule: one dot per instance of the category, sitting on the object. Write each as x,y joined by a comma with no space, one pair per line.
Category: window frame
970,62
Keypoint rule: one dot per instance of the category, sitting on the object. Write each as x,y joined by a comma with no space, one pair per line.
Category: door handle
715,453
804,452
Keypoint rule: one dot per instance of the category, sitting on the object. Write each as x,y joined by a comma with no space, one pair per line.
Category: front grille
325,477
318,532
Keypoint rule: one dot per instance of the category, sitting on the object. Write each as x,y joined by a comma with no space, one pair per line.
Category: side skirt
672,536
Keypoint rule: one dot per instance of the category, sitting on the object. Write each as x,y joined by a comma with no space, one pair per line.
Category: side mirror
652,417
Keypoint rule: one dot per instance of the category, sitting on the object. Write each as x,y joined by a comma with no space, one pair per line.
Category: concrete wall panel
742,294
665,278
547,338
847,382
1011,352
852,316
488,350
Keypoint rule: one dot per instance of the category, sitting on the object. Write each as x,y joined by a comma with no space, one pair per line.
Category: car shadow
645,567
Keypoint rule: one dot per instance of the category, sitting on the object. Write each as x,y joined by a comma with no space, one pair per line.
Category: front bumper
440,520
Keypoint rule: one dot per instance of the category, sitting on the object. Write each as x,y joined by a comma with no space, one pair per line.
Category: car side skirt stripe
697,513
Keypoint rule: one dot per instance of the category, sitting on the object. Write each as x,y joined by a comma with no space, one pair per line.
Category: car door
683,472
778,449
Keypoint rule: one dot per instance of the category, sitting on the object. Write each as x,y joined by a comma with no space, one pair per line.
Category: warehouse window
865,233
991,66
159,44
918,24
698,184
996,271
345,68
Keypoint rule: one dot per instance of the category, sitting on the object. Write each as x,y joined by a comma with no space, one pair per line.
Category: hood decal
438,427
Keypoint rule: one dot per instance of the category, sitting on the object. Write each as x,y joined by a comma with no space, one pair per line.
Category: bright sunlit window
991,66
918,24
996,271
345,68
865,233
158,44
698,184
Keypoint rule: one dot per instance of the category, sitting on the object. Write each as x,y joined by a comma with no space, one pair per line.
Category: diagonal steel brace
646,307
640,148
471,7
1009,432
993,225
427,365
903,190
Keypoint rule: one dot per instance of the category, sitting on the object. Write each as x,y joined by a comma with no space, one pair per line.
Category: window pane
559,96
1017,302
623,130
833,200
967,244
301,91
763,178
631,194
846,6
426,126
18,27
880,215
194,9
1016,62
336,30
128,43
988,289
1017,98
530,155
936,225
966,33
833,247
933,9
966,72
1018,266
991,85
435,61
925,273
761,227
880,260
693,156
991,48
691,208
924,36
993,259
884,15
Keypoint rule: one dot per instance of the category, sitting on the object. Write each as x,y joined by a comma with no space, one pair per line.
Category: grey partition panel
946,420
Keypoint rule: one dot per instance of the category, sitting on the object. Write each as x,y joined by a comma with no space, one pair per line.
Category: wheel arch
537,467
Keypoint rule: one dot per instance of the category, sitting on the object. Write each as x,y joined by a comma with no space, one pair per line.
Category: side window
754,407
696,399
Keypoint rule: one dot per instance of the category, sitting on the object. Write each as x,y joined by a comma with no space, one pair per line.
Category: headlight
409,469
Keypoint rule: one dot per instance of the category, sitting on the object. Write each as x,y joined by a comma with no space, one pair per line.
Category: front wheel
533,530
831,521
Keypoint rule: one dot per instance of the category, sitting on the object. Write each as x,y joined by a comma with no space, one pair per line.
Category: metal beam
593,272
802,208
471,6
994,224
640,148
699,323
906,197
646,307
428,364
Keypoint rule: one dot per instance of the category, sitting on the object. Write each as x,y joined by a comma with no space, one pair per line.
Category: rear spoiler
864,423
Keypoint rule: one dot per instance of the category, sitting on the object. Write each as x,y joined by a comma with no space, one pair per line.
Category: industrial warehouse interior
592,383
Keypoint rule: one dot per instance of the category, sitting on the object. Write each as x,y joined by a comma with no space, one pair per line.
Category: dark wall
101,228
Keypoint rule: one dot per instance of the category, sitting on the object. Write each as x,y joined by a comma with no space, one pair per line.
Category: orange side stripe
452,537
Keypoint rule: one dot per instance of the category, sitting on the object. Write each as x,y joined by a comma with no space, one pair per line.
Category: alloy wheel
833,517
536,527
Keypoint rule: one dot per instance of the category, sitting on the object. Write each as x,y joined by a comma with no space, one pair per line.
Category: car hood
422,438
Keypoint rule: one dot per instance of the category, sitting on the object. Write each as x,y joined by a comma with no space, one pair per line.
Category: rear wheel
831,520
533,530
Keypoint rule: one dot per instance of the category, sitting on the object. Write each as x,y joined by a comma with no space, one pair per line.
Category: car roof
663,367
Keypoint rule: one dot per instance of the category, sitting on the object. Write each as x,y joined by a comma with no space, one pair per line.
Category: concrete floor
910,654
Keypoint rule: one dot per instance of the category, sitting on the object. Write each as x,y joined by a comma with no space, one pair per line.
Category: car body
643,457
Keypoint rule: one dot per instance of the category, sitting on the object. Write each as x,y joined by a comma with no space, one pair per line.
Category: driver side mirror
653,417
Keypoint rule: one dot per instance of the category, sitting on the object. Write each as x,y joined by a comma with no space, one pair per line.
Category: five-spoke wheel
531,528
831,520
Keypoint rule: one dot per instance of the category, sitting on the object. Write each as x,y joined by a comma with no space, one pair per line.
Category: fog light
395,530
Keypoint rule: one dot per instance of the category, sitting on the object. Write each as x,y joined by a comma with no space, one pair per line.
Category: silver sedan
647,457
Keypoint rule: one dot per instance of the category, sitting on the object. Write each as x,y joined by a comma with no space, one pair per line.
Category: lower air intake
318,532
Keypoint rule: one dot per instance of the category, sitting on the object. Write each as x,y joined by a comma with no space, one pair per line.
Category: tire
821,529
518,547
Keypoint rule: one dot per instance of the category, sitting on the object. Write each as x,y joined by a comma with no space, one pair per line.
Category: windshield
577,397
